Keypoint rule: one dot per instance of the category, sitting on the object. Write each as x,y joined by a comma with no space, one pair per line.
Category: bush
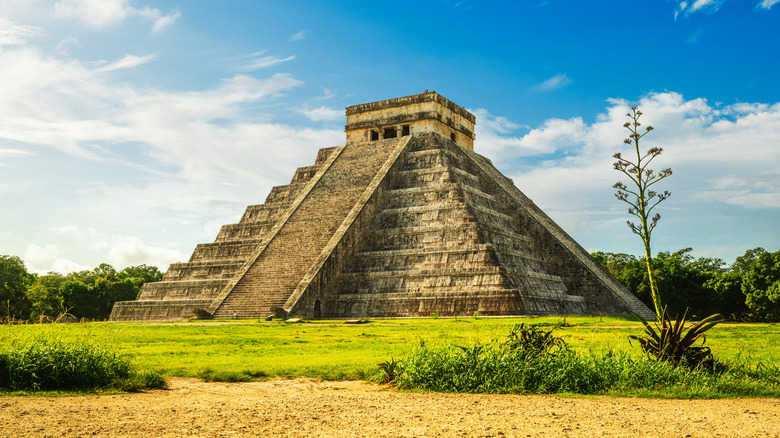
533,366
56,365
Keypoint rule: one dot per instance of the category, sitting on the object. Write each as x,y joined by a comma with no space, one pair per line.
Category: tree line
747,290
84,294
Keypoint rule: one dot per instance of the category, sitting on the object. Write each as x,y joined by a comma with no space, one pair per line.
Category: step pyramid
405,219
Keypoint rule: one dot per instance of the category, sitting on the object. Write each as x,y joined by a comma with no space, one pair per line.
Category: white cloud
94,13
259,62
12,34
128,250
165,21
494,136
298,36
182,158
721,156
554,83
128,61
767,4
36,253
119,250
322,113
65,266
708,6
100,14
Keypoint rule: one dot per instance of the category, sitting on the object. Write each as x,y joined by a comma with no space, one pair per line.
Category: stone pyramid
405,219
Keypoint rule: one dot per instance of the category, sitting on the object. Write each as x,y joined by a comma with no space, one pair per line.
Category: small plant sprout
639,195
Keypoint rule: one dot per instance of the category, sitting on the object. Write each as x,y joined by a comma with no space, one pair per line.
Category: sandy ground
309,408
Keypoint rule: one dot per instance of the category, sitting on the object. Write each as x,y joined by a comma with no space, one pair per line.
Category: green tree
640,196
78,299
45,297
704,284
14,280
761,286
683,281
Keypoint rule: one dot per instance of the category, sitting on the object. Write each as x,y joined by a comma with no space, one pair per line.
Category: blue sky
130,130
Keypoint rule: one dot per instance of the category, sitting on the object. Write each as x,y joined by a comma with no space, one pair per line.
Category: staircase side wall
584,276
317,286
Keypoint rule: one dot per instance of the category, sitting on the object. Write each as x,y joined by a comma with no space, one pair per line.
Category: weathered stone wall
426,112
582,274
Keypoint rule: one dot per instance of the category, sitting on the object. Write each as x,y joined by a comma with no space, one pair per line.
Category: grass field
333,350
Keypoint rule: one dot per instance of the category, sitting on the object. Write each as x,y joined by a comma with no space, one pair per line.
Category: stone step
270,212
452,212
285,193
202,270
244,231
432,175
428,158
323,154
168,310
443,236
453,303
305,173
430,236
437,258
181,290
450,278
224,251
433,194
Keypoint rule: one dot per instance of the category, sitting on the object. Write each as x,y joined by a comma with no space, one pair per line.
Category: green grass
50,364
332,350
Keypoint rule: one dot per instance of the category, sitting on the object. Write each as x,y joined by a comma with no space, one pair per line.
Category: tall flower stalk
639,194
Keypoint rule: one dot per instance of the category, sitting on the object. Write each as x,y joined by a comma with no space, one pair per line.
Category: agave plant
390,369
674,342
534,342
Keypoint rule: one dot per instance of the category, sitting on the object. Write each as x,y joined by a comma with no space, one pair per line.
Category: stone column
399,130
381,133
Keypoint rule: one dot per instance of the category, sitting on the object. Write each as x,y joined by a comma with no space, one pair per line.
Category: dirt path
308,408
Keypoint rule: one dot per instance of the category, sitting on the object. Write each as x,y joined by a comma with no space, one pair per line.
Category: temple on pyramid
404,220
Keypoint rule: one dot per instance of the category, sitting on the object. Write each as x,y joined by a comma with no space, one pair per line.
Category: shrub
56,365
532,361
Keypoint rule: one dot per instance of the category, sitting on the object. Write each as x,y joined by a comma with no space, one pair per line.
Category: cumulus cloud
495,135
36,253
722,156
118,250
130,250
554,83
